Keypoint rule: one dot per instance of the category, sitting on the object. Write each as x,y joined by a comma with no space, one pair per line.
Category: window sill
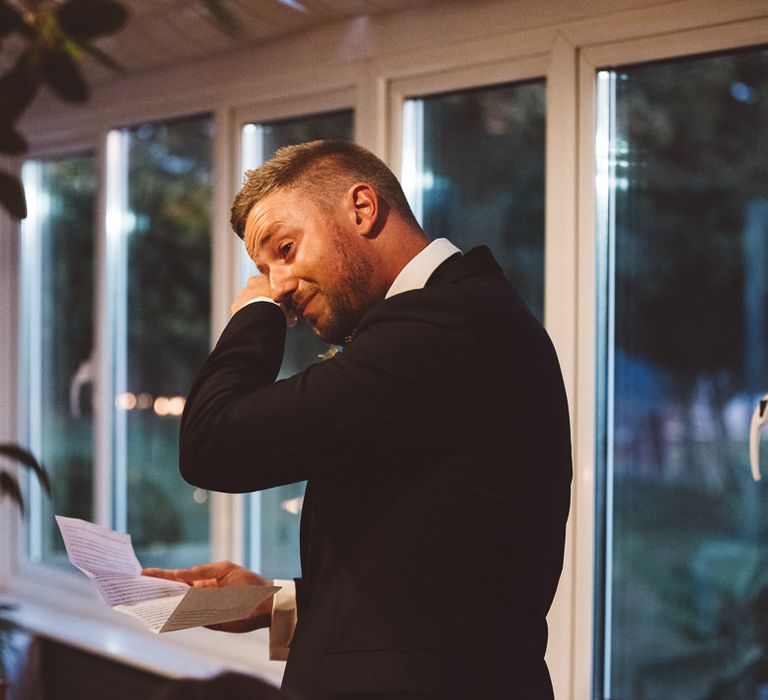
64,608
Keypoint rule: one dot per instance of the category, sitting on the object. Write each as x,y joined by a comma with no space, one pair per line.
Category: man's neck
401,249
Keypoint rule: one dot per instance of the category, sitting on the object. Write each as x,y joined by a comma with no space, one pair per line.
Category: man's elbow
212,469
192,468
199,453
201,462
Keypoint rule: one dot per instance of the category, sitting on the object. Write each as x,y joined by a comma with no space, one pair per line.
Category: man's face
313,259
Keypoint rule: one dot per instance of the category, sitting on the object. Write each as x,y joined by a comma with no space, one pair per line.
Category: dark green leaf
11,141
19,454
12,196
11,21
101,57
18,88
84,19
10,487
63,76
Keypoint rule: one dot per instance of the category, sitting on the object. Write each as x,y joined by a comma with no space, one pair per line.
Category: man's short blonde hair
324,170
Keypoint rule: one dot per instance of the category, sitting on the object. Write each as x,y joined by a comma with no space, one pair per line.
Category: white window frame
76,142
380,63
329,96
596,56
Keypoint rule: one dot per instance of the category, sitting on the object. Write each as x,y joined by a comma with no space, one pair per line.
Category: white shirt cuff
283,620
269,299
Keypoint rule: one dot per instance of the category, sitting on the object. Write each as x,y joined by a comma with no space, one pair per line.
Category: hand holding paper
163,605
219,575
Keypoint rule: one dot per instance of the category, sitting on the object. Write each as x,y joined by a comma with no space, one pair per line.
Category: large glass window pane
473,170
57,308
275,513
683,200
167,199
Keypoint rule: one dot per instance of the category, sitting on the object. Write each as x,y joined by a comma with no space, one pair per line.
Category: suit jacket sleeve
243,431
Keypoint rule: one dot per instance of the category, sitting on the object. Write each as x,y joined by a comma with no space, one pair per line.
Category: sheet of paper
92,548
108,559
211,606
119,589
152,613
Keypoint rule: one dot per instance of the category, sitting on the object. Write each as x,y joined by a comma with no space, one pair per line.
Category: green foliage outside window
690,566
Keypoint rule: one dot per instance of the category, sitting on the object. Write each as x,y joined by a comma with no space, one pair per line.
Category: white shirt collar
418,270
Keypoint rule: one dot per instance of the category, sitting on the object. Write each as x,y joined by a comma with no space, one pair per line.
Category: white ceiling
162,32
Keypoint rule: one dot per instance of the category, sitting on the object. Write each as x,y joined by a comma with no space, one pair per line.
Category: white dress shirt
416,273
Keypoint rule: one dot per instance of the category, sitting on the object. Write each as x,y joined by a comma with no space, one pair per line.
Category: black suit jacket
437,452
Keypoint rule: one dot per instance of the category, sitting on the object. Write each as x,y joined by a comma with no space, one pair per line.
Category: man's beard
349,300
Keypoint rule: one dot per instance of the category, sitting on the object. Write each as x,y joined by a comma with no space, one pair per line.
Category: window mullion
605,205
413,155
111,314
228,528
251,156
561,296
31,357
100,358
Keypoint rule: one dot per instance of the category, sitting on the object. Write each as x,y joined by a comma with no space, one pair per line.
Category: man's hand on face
258,286
219,575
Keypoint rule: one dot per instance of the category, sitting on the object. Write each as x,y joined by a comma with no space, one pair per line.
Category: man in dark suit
435,445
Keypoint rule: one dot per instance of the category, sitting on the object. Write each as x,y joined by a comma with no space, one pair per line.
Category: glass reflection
473,169
58,264
168,182
688,584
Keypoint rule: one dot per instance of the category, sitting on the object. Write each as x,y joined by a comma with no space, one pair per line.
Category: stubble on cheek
346,296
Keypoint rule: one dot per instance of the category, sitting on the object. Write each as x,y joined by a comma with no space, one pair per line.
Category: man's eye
285,249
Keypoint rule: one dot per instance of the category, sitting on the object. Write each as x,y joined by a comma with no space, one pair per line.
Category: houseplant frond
19,454
9,485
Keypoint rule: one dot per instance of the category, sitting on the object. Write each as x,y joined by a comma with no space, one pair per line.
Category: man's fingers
199,572
160,573
291,317
170,574
257,286
203,572
205,583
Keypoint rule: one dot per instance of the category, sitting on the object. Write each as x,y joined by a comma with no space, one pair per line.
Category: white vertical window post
252,156
605,208
30,396
112,447
411,176
227,510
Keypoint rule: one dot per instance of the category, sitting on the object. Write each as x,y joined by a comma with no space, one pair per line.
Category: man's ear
363,208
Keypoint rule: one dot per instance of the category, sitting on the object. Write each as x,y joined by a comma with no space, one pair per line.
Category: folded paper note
107,558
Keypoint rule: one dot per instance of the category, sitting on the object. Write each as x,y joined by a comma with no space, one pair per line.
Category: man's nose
282,284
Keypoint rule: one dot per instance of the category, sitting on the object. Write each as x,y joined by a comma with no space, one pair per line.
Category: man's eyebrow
264,240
